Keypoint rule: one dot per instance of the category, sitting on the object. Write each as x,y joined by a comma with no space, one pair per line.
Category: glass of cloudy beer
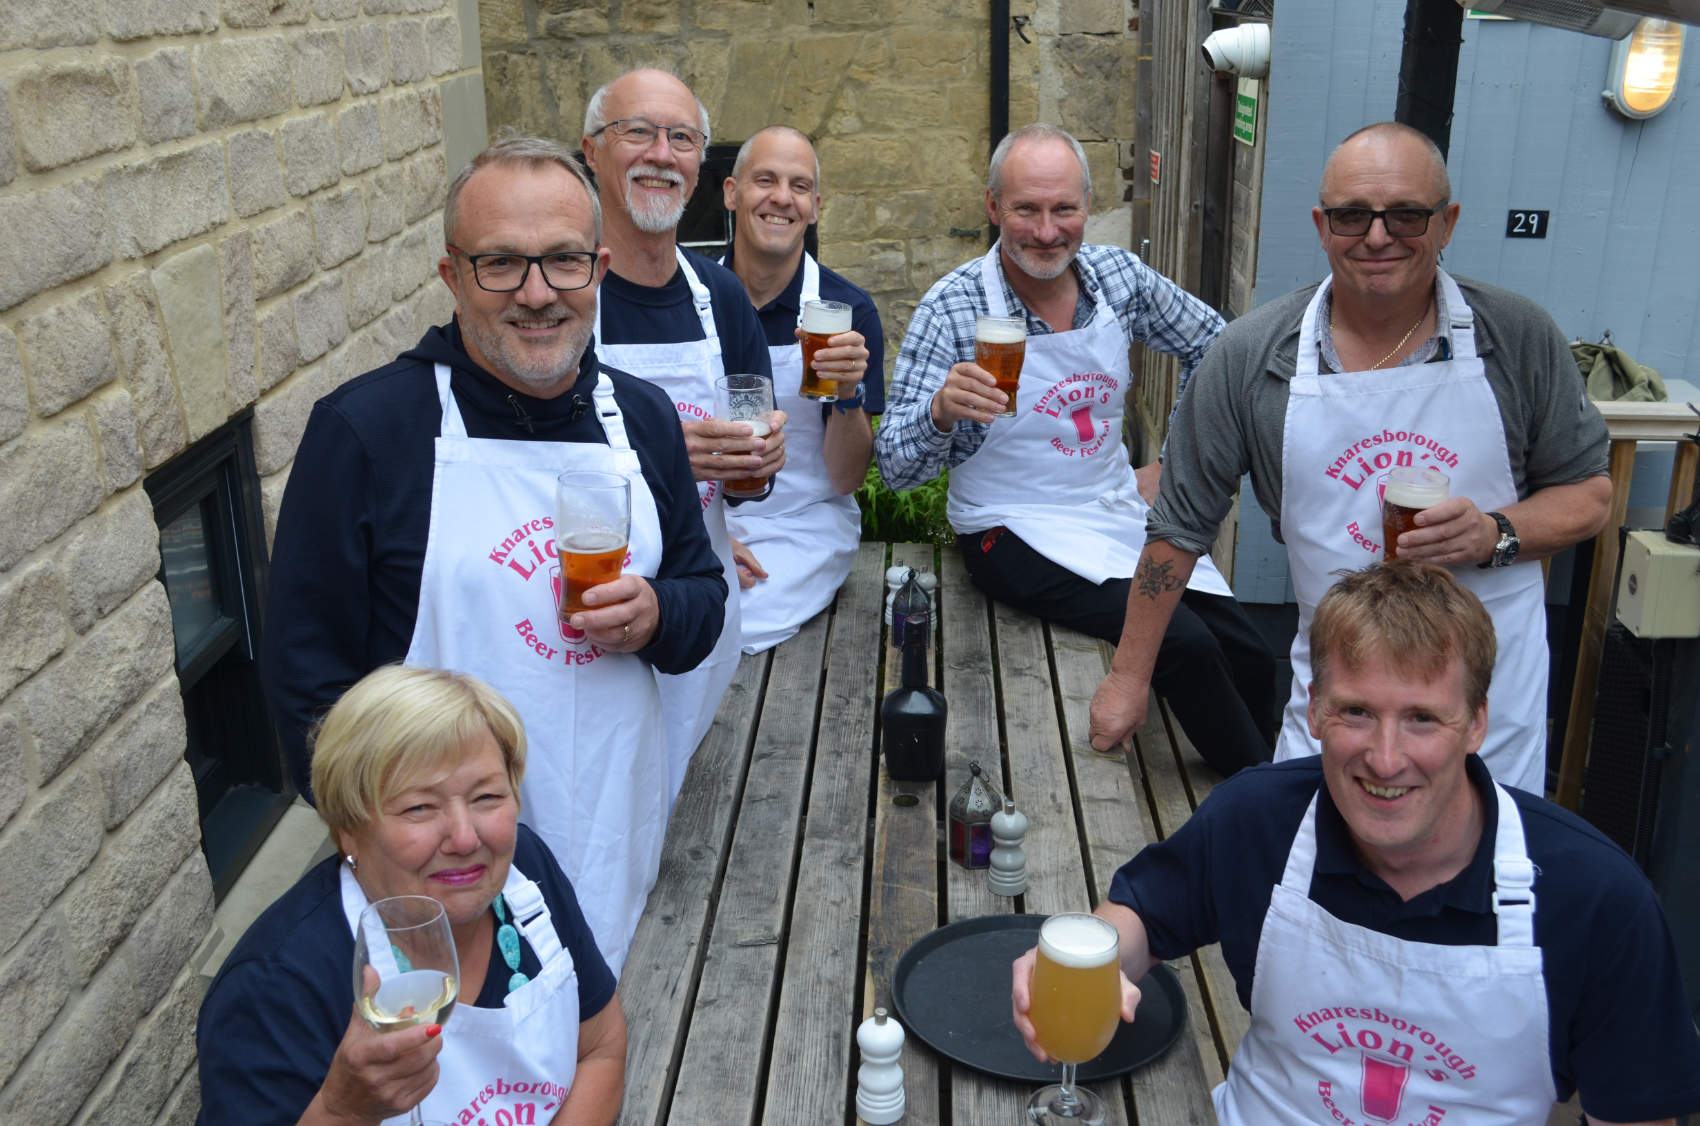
1000,344
593,521
822,320
745,398
1076,1002
1406,491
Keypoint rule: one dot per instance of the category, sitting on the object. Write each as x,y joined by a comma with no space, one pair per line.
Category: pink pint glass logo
568,634
1383,1087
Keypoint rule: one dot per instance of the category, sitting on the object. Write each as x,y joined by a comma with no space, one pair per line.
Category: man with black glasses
1389,362
419,525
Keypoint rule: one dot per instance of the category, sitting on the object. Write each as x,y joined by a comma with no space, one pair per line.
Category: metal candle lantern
971,819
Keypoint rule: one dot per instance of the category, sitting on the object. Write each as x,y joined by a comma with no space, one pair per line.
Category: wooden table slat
972,734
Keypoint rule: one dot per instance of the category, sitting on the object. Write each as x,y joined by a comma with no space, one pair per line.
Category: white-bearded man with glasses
418,525
1390,361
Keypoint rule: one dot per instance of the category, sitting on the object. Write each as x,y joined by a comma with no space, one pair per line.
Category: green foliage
913,516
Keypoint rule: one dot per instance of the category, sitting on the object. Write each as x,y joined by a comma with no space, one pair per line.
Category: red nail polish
432,1030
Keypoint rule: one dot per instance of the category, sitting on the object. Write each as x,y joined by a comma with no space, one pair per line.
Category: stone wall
895,94
205,206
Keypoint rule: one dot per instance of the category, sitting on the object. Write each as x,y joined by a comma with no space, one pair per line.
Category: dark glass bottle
913,715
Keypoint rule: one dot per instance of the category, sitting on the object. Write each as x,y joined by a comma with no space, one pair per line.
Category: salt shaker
1008,874
879,1081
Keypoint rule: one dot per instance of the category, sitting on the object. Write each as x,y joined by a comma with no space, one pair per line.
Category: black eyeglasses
1401,222
563,270
640,132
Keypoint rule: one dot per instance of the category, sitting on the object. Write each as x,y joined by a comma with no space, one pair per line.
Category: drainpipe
998,126
1428,67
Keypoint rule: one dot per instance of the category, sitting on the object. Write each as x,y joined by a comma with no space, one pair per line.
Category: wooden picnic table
796,874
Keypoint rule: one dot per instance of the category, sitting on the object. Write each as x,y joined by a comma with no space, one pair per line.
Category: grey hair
519,149
1437,159
743,159
994,171
594,117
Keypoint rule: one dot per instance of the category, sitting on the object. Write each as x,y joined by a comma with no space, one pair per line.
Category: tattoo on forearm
1153,579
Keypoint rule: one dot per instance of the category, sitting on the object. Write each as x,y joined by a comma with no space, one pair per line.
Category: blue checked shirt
911,451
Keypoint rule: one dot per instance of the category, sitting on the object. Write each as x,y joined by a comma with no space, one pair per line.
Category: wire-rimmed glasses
640,132
1400,222
503,272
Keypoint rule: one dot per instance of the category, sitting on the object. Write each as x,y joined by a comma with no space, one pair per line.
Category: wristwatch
854,402
1505,551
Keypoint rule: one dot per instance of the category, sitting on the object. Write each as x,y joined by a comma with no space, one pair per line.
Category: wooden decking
793,878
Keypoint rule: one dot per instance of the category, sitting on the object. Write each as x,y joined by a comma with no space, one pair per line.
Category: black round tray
952,993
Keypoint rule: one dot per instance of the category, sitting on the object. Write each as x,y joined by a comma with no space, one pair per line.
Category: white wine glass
1075,1006
406,943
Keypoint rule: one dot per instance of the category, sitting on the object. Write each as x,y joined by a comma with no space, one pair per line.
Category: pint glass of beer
822,320
1000,344
1076,1001
746,398
593,520
1406,491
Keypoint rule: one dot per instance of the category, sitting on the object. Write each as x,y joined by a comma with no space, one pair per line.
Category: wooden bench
793,879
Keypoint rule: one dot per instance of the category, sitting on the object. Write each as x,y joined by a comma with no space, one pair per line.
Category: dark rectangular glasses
1401,222
504,273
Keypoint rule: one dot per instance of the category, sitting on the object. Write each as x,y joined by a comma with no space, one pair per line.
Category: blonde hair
398,723
1413,615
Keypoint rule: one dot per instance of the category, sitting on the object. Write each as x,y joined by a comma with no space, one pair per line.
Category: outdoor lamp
1644,68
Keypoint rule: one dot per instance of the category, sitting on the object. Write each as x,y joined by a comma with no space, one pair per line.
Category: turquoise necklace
507,939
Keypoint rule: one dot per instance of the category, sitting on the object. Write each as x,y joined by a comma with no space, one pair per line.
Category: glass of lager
1000,344
746,398
1406,491
593,520
822,320
1076,1002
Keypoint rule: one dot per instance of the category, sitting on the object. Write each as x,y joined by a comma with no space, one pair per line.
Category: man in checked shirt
1046,507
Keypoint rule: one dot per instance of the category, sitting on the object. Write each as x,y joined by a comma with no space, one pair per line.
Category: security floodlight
1242,50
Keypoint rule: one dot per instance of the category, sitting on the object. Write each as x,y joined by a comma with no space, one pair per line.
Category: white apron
1343,431
519,1059
1348,1024
1064,449
804,534
686,371
488,599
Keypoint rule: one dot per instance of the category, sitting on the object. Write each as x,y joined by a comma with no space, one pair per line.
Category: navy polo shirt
1619,1029
643,314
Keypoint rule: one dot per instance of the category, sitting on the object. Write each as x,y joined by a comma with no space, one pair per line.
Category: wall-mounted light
1644,68
1242,50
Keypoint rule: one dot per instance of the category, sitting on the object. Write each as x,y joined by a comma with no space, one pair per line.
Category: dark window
212,558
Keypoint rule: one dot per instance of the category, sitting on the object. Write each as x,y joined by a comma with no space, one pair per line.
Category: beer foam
592,541
1078,941
826,318
1000,330
1417,489
759,427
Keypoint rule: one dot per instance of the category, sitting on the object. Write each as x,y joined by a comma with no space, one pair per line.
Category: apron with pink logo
1344,430
1348,1024
1057,474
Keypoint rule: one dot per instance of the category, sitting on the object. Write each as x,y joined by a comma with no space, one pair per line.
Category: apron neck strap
608,413
991,277
453,425
531,915
1462,318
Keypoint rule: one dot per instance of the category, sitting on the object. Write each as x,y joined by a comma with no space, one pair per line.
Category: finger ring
626,632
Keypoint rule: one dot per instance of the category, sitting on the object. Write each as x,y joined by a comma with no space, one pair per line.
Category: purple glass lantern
971,819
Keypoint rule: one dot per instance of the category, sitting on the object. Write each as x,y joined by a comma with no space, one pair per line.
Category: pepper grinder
1008,874
879,1081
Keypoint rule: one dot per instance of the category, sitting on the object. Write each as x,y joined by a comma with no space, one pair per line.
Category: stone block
256,174
283,253
650,17
408,60
442,44
236,273
51,237
8,150
411,119
74,698
128,875
959,51
367,58
310,157
514,86
366,283
280,418
339,226
316,63
360,137
572,20
386,202
35,983
114,415
271,499
242,79
109,557
48,23
14,394
165,90
140,750
432,305
873,161
1092,17
250,13
502,22
159,1056
138,19
427,185
336,9
279,354
156,202
321,318
14,784
70,111
43,852
1094,99
394,331
49,479
145,368
70,352
187,286
413,261
32,620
